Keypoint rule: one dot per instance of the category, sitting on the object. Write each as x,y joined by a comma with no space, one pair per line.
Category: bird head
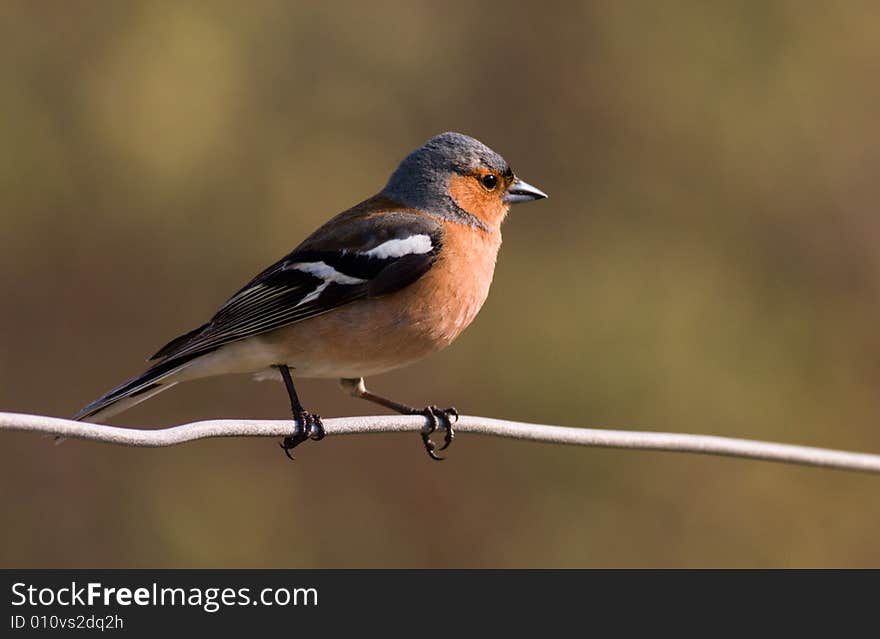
453,174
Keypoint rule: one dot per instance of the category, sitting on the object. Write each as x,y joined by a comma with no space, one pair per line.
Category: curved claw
434,416
430,447
449,413
430,427
286,446
308,426
316,429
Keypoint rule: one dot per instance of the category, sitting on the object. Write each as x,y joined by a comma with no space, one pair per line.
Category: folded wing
352,257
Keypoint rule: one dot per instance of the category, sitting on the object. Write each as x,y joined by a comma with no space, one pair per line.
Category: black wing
350,258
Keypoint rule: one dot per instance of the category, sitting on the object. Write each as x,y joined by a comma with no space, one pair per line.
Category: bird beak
521,191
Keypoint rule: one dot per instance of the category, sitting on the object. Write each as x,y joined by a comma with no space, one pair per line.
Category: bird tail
152,382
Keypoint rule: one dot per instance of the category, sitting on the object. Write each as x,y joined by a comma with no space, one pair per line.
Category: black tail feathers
137,389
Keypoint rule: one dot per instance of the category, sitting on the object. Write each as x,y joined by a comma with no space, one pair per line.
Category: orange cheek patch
486,206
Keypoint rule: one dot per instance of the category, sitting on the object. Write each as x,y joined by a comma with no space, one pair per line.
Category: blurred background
709,262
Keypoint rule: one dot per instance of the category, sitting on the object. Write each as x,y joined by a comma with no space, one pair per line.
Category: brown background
708,262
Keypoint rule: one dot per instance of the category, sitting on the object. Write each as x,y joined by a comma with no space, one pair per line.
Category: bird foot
435,417
308,426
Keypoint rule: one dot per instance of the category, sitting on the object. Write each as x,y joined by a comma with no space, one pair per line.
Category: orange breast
376,335
447,299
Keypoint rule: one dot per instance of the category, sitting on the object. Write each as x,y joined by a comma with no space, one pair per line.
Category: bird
377,287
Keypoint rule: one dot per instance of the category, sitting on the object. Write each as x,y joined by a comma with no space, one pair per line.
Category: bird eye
489,181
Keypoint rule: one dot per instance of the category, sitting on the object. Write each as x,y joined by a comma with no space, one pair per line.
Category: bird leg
357,388
307,425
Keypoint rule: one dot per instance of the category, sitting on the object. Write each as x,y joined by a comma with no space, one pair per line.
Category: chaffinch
379,286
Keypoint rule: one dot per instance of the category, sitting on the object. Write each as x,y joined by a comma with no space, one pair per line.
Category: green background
708,262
